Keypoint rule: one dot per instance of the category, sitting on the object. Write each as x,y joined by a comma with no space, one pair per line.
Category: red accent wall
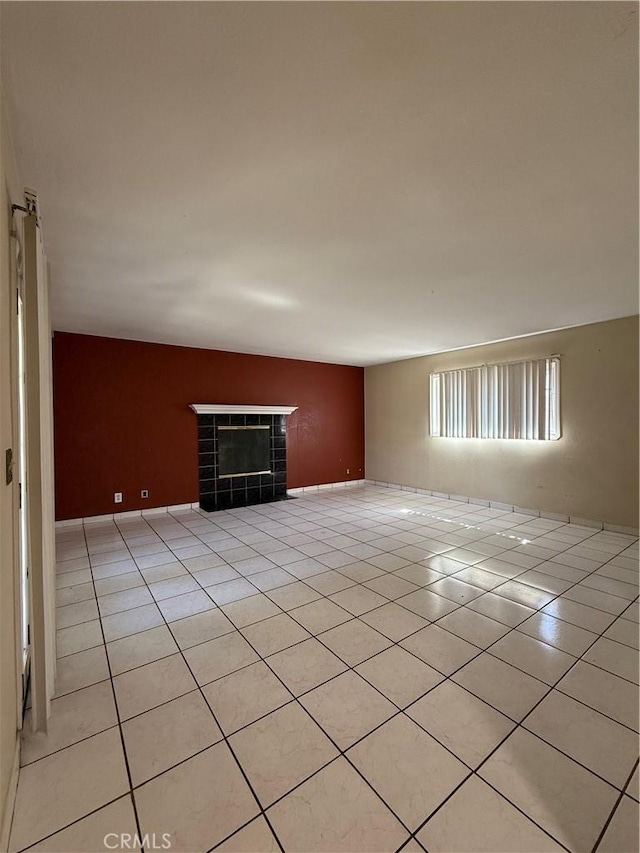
123,422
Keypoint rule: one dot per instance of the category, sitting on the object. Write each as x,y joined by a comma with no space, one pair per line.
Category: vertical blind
513,400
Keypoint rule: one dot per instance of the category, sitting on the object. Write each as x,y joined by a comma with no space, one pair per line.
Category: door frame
39,435
21,538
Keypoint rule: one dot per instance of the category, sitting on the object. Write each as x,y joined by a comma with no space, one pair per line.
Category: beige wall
591,472
8,494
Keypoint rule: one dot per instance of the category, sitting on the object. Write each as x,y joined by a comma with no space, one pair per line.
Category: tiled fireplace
242,454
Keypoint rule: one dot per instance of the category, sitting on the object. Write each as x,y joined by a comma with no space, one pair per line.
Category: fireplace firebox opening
243,451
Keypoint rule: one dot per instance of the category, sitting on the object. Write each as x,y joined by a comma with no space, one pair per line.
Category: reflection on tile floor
360,669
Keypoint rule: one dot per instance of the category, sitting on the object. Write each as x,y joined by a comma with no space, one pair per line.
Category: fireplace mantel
224,409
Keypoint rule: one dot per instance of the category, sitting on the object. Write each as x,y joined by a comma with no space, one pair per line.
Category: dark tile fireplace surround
218,492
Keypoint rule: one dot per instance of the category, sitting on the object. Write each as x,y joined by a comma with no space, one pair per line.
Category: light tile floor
358,669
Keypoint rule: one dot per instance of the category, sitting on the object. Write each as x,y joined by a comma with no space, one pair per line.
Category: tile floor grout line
434,621
514,628
224,738
302,552
520,724
537,611
296,699
504,551
613,810
353,618
401,711
387,572
451,575
352,668
117,711
341,752
76,821
373,610
450,796
94,734
524,570
554,685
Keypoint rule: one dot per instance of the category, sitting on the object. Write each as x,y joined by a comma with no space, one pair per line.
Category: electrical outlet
144,493
117,497
348,471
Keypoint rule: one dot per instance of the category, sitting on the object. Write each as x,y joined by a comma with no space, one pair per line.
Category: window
514,400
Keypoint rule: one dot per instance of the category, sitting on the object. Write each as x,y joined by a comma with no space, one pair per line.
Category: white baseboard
537,513
176,508
323,486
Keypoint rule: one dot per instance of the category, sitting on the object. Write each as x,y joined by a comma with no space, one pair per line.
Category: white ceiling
354,182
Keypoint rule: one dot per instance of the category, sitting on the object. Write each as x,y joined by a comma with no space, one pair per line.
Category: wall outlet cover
144,493
117,497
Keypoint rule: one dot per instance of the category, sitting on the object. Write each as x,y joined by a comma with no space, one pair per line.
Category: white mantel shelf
223,409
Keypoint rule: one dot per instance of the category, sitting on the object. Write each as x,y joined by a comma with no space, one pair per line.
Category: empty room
319,412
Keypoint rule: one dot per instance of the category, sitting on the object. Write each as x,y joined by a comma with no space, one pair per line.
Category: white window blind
513,400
